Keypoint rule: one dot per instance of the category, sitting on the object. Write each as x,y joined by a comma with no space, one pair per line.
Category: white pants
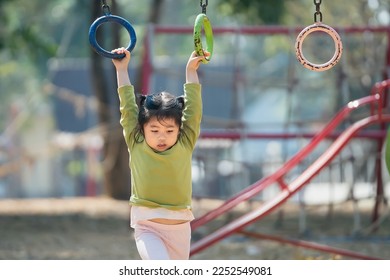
162,242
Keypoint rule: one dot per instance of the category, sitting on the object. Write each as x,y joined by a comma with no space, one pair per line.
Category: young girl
161,133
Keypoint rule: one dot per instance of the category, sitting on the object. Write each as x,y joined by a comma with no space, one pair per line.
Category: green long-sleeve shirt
162,179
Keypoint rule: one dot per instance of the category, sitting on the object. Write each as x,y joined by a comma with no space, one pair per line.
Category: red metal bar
282,184
268,30
309,245
237,135
146,63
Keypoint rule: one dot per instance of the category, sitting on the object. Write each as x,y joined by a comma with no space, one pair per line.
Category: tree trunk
116,172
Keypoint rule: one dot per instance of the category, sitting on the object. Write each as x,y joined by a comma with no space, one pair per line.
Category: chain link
318,12
204,6
105,8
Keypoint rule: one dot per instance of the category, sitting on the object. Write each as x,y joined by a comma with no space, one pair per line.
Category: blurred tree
253,11
18,34
116,177
301,12
23,48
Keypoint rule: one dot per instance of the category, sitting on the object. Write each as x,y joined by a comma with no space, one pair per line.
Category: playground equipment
318,26
108,17
376,100
203,21
242,82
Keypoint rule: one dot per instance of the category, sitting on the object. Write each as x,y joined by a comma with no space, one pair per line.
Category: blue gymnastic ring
111,18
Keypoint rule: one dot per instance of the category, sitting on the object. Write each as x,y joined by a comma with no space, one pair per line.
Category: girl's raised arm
121,66
192,68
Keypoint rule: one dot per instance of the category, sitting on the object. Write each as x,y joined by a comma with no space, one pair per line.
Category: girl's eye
154,131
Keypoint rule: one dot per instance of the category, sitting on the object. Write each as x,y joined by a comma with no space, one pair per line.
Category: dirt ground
98,229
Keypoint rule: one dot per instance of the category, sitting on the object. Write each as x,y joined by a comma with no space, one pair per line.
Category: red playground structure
376,100
372,125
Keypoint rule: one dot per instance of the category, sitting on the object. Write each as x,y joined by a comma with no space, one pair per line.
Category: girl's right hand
121,64
194,60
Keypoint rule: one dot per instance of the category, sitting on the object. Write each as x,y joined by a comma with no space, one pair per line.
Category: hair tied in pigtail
180,102
140,100
150,103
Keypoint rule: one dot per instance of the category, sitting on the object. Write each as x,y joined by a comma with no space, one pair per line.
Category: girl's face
161,135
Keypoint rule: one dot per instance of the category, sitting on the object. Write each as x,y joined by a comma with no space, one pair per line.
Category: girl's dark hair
162,105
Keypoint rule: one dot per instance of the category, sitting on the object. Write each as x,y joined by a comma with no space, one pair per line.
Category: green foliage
254,12
22,34
301,12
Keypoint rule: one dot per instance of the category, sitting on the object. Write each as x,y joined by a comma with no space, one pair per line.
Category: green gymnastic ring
203,21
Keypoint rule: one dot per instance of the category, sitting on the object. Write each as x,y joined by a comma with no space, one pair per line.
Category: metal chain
318,12
204,6
105,8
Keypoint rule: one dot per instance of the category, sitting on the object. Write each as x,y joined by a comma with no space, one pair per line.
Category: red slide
376,100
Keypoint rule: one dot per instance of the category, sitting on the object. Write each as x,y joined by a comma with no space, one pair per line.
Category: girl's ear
180,101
